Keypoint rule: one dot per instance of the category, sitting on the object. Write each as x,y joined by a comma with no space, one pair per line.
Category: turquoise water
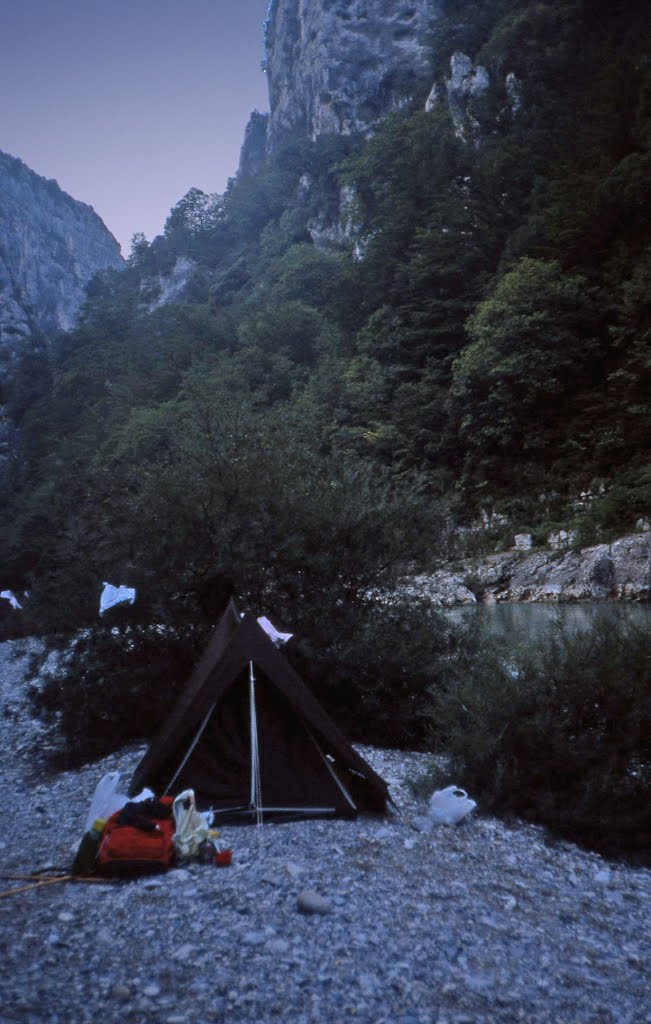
534,619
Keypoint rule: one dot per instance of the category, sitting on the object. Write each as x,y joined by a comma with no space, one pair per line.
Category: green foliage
491,324
288,328
217,497
558,733
195,214
532,347
108,687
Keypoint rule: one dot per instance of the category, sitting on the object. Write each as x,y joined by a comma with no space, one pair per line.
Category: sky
130,103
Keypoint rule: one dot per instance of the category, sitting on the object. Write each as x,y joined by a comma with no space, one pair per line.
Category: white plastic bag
449,806
192,826
107,800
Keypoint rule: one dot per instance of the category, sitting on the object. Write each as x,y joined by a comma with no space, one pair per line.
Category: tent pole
256,786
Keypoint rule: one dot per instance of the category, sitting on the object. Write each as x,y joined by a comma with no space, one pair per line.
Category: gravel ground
482,922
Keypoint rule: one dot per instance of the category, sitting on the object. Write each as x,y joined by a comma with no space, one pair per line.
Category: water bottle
84,862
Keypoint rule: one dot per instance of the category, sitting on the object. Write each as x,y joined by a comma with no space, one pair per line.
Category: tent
253,742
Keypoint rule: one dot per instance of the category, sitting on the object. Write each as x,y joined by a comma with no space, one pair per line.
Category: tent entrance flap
196,739
332,771
280,768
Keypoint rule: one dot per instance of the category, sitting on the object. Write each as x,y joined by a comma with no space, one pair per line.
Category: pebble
121,991
184,952
278,947
294,870
153,883
178,875
310,902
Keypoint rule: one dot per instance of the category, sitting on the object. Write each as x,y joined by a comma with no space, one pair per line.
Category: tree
194,214
533,347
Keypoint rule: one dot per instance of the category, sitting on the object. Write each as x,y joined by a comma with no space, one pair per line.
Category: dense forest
304,422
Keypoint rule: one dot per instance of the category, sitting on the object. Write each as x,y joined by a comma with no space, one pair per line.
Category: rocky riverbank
620,571
483,922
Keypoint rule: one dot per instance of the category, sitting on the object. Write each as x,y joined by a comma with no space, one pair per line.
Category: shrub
558,732
370,663
107,687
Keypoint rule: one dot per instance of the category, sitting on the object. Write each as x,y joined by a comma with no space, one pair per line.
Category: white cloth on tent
115,595
277,638
11,597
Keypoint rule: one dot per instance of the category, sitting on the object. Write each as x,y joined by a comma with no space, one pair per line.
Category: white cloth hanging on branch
11,598
115,595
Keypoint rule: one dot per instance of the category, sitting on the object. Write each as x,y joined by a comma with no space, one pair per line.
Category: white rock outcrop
618,571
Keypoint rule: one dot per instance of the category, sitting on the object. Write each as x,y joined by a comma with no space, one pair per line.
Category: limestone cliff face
339,66
50,247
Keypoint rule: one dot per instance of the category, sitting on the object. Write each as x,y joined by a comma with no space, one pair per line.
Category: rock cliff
338,66
50,247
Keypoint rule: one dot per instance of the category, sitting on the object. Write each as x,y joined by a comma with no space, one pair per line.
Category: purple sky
129,103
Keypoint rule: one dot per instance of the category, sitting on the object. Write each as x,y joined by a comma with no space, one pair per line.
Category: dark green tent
252,741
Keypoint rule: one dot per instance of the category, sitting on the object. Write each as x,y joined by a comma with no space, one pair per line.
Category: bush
370,663
559,732
108,687
373,665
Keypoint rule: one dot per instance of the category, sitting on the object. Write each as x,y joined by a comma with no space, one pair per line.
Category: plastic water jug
449,806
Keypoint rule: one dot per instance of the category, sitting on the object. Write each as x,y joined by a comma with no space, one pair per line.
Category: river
534,619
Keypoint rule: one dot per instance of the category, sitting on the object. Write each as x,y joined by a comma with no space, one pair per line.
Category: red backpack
138,839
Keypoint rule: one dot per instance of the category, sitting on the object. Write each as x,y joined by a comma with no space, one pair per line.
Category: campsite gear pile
192,829
84,862
107,799
146,835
